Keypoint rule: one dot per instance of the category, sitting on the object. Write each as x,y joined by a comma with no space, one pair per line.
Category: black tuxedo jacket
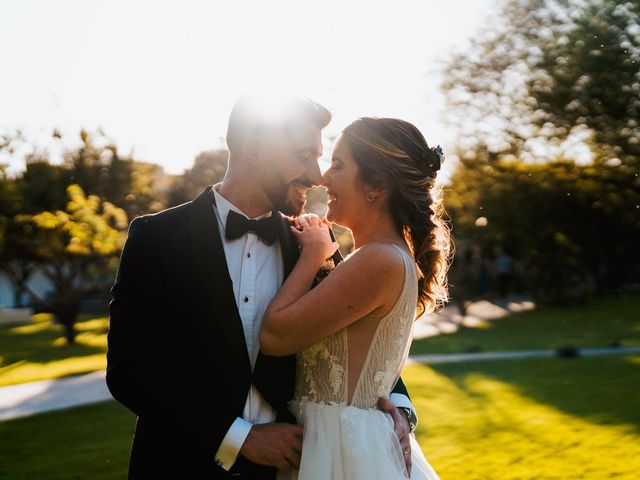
176,355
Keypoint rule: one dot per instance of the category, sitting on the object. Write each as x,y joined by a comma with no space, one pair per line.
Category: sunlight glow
160,78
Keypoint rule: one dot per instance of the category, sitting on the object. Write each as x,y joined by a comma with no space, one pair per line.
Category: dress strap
409,261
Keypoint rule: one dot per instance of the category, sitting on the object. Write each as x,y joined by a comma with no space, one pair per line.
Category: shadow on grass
601,390
42,342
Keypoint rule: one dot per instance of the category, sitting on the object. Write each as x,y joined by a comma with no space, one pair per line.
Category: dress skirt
343,442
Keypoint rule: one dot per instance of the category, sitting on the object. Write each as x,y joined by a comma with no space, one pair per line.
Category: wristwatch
411,417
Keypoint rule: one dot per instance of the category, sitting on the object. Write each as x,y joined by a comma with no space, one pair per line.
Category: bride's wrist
312,257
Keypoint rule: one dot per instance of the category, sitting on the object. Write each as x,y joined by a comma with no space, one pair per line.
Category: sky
160,77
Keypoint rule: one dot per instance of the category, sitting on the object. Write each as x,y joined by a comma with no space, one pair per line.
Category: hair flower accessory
433,159
438,151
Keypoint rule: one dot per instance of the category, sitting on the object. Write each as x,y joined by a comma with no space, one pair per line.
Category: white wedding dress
352,439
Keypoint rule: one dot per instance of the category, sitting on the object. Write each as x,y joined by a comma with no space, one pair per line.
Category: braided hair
393,154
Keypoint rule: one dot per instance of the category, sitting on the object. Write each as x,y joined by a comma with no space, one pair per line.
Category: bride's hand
313,236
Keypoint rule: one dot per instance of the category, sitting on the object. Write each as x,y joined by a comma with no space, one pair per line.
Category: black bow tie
238,225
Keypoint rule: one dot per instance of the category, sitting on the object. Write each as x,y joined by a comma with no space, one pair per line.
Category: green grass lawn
530,419
596,324
508,420
38,351
90,442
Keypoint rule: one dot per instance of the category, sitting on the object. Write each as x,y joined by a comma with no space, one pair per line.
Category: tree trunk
70,333
65,313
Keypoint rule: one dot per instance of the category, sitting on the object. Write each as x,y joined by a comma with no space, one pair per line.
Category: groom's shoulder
168,218
170,223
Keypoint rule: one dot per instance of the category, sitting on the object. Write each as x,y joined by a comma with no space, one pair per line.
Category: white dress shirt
257,272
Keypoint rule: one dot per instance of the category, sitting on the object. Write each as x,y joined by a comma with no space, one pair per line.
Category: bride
352,332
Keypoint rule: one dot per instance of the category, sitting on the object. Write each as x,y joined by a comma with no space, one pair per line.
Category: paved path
481,356
36,397
449,320
15,316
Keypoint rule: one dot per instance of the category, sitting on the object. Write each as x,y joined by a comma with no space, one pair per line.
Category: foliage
89,227
74,248
550,74
208,169
95,164
588,73
16,258
571,225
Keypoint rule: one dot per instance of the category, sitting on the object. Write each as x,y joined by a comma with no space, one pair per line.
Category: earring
371,196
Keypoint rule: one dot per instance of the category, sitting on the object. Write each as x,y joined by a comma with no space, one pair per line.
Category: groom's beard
288,198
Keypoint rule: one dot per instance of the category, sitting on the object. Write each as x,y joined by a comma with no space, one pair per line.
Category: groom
192,287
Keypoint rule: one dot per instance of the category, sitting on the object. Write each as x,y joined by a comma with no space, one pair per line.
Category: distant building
37,281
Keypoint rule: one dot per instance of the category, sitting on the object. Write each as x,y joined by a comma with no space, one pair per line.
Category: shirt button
246,299
249,255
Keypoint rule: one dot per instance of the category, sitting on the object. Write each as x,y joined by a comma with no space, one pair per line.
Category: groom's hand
401,427
274,444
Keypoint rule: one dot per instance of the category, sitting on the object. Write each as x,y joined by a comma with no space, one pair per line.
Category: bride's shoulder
376,258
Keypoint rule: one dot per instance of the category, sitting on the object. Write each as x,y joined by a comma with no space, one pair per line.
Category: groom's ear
251,150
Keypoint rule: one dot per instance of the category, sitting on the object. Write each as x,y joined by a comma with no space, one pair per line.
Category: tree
99,169
551,71
74,248
550,79
208,168
96,165
589,74
16,259
137,187
569,223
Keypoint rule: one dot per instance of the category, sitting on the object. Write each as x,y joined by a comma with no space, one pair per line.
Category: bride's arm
299,317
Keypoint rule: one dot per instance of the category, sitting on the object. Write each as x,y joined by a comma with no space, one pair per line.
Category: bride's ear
380,189
373,195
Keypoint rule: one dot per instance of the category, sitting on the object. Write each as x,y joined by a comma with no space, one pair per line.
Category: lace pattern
322,368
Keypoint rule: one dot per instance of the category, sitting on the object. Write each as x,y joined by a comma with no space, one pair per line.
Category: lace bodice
322,373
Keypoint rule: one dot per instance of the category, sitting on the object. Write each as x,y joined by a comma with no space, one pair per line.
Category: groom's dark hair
251,114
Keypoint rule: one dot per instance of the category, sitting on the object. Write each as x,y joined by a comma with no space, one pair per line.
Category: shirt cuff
229,449
402,401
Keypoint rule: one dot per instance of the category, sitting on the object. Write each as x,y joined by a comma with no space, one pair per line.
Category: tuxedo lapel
337,256
288,244
212,265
